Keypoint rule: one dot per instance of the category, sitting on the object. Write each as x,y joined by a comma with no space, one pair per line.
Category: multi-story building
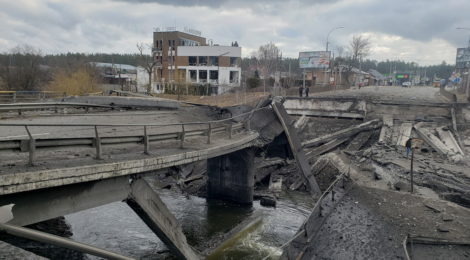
185,57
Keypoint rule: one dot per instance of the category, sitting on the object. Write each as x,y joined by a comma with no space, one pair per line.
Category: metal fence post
209,133
146,141
248,124
183,133
32,147
97,144
14,97
229,130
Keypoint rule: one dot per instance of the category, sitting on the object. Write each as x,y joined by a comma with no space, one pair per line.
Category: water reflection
117,228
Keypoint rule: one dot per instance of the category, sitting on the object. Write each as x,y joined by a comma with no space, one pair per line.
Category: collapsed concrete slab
448,139
313,153
386,130
326,107
350,131
404,133
140,102
296,147
153,211
436,143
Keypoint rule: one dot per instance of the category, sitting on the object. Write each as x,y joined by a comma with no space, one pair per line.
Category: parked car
406,84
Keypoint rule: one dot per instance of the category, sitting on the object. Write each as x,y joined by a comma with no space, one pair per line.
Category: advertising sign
463,58
314,59
402,76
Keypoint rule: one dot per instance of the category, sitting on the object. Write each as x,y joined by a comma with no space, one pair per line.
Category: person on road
307,89
301,91
408,146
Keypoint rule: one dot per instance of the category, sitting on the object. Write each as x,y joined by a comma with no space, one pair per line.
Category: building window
214,61
203,76
169,42
202,61
214,75
192,61
233,61
193,75
233,76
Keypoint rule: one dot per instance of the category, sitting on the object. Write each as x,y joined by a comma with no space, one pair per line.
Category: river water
117,228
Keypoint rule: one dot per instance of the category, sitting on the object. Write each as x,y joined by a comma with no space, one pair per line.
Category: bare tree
268,59
359,48
148,62
23,69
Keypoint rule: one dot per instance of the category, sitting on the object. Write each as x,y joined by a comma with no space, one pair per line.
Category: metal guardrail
311,225
411,240
27,96
31,144
59,241
20,107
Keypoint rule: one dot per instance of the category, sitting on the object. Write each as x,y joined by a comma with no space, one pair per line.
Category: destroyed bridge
38,184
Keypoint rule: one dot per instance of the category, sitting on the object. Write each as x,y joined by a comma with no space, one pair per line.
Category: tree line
27,68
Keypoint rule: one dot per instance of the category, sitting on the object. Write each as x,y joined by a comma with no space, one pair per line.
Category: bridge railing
27,96
98,140
20,107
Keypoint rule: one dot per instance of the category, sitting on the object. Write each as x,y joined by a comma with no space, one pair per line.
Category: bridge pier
231,176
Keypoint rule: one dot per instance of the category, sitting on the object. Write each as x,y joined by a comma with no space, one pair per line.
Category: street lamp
327,42
328,35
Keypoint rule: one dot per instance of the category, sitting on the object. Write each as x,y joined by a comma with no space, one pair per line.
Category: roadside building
377,78
123,77
186,58
339,76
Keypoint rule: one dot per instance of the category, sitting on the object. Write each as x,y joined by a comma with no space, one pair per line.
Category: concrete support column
231,177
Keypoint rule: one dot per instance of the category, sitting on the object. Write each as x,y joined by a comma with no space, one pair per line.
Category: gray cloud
400,28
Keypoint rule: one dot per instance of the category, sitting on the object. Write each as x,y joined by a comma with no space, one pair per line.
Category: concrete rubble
320,140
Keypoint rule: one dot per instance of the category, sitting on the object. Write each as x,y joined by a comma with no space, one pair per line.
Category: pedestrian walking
408,146
307,89
301,91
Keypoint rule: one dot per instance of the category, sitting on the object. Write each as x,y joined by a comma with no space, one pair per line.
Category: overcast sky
422,31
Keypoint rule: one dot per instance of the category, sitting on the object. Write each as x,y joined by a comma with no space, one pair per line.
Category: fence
209,128
27,96
323,207
20,107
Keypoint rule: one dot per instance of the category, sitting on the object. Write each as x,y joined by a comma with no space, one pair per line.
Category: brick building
185,57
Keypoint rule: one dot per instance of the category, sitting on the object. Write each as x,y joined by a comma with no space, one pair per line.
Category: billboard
463,58
403,76
314,59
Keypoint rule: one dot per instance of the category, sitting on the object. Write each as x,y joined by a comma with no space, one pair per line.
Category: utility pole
327,42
